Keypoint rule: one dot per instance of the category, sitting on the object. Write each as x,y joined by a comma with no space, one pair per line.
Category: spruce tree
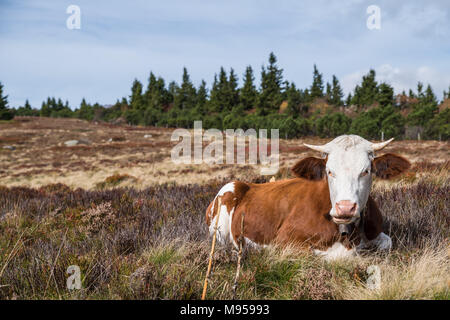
222,92
328,92
348,101
366,94
419,90
156,95
429,96
225,93
5,113
213,97
248,93
202,98
233,92
317,85
3,99
270,96
86,111
136,98
185,96
45,109
336,92
27,105
173,87
294,98
385,95
150,92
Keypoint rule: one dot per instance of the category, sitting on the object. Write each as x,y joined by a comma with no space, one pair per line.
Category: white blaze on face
349,178
348,172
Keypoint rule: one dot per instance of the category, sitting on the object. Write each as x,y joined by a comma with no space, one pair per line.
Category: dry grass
424,275
152,244
41,157
134,222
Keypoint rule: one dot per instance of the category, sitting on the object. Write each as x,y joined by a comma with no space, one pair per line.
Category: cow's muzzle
346,212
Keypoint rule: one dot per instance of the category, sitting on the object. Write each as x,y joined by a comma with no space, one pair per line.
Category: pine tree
348,101
5,113
317,85
45,109
248,93
185,97
270,97
156,96
224,92
336,92
233,92
328,92
429,96
136,98
294,98
365,95
27,105
3,99
419,90
202,98
385,95
148,95
86,111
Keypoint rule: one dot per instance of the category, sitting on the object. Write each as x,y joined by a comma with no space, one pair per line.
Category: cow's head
348,165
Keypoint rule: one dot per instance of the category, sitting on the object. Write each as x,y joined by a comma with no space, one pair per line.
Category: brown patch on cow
208,212
389,165
286,211
310,168
229,199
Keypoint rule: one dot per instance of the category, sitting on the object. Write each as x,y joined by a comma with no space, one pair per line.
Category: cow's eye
365,173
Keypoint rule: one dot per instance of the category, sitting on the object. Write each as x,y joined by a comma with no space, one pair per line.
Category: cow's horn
381,145
317,148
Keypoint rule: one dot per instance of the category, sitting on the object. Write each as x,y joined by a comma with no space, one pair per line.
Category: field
116,206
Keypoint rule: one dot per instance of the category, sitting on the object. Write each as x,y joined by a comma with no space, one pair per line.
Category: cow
327,207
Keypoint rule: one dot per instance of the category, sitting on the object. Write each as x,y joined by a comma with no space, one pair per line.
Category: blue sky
122,40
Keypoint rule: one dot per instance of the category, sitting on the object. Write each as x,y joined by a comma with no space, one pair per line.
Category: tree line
321,109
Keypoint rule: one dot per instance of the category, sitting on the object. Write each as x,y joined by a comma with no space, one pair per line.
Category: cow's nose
345,209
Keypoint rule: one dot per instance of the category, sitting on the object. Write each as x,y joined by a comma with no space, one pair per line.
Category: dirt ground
40,156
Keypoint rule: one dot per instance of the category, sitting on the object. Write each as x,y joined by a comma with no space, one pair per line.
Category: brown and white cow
310,210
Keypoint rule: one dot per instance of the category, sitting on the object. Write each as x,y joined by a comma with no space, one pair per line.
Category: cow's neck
354,229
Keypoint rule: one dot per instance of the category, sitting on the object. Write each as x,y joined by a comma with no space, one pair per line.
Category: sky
119,41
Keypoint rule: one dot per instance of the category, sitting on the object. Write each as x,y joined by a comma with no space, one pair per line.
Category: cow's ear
389,165
310,168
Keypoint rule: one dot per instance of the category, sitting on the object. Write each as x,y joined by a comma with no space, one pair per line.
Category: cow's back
294,210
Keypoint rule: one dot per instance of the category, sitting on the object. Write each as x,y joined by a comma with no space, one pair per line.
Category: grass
134,222
152,244
115,180
123,150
